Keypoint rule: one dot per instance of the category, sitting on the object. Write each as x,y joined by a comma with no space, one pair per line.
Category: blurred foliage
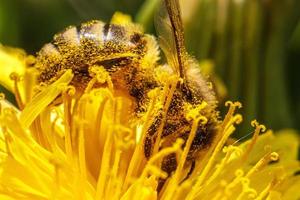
31,23
249,42
250,51
254,44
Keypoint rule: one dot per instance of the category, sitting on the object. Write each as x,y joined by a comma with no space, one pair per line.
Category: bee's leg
151,136
190,172
169,165
160,184
148,144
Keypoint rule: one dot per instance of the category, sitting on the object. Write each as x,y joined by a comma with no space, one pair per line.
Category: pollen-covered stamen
196,118
239,174
138,151
176,148
67,95
229,150
100,76
247,191
258,129
232,107
106,156
57,164
17,78
168,92
79,122
123,140
43,124
225,133
272,156
124,137
221,129
2,98
11,120
4,138
194,115
267,189
100,113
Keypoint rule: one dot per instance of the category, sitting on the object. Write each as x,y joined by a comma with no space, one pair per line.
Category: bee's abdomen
77,48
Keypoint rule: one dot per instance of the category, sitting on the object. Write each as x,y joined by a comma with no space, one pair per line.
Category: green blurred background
254,44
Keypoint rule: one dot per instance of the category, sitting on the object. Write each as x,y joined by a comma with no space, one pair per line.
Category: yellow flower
91,148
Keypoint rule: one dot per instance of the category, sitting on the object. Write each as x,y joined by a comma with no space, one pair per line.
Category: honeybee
131,57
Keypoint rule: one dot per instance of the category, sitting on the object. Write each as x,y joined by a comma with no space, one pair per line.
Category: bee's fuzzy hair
200,83
152,54
196,81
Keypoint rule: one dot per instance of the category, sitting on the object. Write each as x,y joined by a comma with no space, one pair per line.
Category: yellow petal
284,142
5,197
292,189
11,60
287,143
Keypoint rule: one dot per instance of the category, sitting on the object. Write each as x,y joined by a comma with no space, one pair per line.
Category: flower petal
43,99
11,60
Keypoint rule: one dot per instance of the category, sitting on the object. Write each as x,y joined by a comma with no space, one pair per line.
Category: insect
131,57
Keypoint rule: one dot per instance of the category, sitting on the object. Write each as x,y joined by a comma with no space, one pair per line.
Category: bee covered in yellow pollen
90,148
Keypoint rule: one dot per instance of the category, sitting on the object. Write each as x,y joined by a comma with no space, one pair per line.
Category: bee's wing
169,28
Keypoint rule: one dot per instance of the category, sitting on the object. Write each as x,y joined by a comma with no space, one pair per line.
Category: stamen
56,178
138,155
179,170
221,129
267,189
16,78
246,190
7,140
2,97
273,156
81,151
105,163
114,183
67,101
176,148
168,94
258,129
40,127
229,151
193,114
100,75
226,132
